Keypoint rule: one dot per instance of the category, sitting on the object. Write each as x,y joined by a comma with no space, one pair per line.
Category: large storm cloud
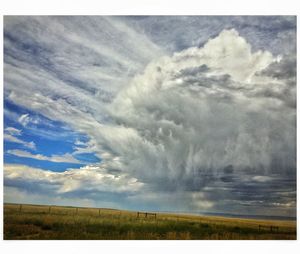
216,113
208,128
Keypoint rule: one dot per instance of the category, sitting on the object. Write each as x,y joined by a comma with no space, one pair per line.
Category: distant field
58,222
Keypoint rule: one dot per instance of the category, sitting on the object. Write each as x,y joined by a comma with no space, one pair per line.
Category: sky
163,113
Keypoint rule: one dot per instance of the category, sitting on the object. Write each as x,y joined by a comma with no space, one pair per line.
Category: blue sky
49,138
179,113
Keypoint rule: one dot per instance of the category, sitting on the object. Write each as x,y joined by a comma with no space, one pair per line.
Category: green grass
35,222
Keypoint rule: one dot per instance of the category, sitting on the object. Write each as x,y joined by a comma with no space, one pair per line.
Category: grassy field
57,222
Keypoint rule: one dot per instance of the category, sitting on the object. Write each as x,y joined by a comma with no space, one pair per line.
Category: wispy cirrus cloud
67,157
11,135
12,131
188,112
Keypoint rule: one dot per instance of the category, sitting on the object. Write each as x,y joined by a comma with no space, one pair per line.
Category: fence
146,215
97,212
271,228
76,211
52,209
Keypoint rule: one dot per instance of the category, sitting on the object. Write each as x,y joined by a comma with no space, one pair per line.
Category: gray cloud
186,137
207,128
175,33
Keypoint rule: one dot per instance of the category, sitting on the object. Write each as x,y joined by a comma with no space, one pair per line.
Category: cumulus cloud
191,115
89,179
206,128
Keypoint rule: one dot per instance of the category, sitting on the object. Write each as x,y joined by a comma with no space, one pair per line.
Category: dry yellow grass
57,222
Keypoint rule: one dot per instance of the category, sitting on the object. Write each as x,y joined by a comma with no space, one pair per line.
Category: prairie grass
61,223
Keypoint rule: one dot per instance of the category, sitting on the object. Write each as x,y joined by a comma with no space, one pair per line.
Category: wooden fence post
20,208
146,215
99,211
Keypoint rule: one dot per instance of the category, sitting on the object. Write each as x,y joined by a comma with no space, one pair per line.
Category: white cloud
228,53
177,125
195,112
24,119
85,147
10,134
13,131
67,157
88,178
169,117
80,143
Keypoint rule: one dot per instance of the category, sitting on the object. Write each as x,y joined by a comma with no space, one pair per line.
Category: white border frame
146,7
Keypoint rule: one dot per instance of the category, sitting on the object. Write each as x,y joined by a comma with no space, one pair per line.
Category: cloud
88,179
189,122
67,157
219,117
190,116
24,119
16,195
10,134
219,53
274,33
13,131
